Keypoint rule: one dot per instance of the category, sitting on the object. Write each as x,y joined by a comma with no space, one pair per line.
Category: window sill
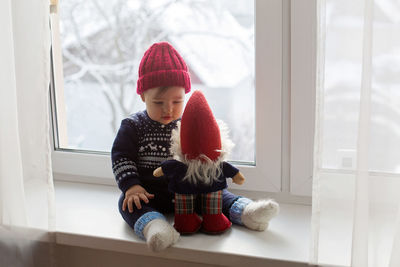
87,216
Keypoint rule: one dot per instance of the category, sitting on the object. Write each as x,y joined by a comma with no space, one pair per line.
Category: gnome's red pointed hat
200,133
200,141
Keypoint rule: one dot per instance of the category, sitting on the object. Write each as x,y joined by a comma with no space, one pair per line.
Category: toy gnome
199,145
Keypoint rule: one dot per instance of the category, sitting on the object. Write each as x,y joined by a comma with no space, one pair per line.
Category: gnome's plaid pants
211,203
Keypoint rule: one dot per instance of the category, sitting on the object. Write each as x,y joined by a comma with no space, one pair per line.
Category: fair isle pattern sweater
139,148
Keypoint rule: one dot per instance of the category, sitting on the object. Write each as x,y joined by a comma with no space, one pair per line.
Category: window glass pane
343,67
104,40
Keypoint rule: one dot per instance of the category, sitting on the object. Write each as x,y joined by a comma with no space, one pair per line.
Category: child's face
164,104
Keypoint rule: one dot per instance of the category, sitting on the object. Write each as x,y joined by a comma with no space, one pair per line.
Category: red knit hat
199,130
162,65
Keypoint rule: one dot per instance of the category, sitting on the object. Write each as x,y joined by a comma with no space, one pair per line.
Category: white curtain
356,190
26,188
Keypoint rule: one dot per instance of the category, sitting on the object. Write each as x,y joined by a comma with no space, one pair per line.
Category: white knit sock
256,215
160,234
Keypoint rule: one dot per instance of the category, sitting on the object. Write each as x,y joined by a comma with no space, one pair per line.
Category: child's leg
227,201
186,220
159,234
150,225
252,214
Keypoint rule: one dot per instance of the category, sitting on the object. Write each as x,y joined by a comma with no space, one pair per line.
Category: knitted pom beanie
162,66
200,133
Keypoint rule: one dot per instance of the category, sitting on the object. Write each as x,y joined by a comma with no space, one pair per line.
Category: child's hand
135,194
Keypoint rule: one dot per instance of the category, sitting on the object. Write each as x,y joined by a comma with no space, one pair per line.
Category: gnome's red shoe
187,223
215,223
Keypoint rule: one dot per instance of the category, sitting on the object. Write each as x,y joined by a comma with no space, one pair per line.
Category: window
241,47
343,58
104,41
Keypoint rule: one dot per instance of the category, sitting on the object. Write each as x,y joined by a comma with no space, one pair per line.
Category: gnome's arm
238,178
167,168
158,172
231,171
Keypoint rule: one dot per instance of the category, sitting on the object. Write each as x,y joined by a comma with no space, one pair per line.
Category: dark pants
163,203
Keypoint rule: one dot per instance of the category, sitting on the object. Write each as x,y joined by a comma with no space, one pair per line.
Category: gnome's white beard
202,169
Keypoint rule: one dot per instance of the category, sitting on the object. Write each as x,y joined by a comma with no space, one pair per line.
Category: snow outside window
102,43
235,57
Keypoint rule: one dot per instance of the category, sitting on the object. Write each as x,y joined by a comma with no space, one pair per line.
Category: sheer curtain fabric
26,187
356,186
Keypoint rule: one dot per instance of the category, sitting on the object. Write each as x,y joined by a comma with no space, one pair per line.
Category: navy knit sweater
139,148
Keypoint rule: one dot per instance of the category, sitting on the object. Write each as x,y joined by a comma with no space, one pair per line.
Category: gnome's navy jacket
175,171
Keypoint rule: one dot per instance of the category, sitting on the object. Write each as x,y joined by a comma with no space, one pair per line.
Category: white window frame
285,74
303,53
